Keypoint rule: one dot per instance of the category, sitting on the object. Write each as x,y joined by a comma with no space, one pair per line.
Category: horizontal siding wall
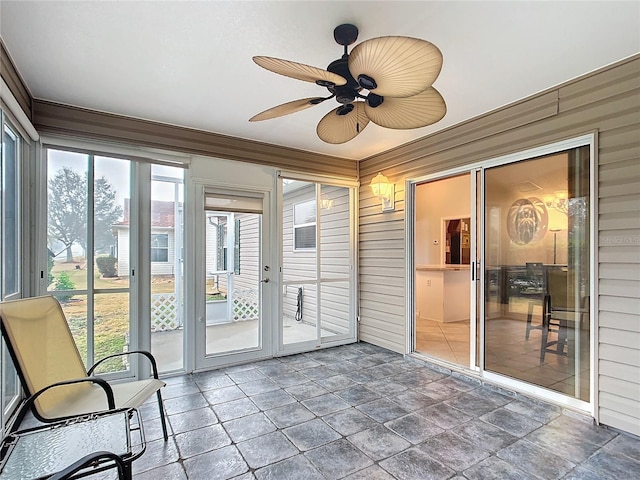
608,102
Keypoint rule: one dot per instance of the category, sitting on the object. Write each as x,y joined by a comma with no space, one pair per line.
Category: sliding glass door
89,232
502,270
537,271
166,261
318,272
443,247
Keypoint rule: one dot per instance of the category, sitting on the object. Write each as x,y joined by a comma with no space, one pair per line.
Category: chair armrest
29,402
140,352
87,460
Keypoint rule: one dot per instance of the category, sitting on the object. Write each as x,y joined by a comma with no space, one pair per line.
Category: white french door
232,300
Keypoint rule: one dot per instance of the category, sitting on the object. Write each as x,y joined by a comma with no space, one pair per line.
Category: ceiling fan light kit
386,80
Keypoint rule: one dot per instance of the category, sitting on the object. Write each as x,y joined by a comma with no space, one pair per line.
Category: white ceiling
189,63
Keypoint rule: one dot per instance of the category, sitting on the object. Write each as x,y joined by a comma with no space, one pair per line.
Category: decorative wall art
527,220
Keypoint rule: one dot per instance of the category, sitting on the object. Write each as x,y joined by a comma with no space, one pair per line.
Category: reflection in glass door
317,265
537,271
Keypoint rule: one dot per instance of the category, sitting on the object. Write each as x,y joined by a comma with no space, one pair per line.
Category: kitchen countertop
442,267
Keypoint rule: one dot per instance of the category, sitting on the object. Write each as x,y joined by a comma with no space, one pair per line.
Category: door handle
264,280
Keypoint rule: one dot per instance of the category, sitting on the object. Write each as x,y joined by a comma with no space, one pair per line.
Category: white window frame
153,236
303,225
8,128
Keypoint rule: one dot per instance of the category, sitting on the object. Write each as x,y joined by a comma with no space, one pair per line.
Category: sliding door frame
410,277
519,385
319,341
476,170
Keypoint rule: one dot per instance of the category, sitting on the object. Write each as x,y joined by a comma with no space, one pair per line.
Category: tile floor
508,352
360,412
448,341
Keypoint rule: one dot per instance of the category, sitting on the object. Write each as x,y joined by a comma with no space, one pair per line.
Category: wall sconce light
326,203
385,191
558,200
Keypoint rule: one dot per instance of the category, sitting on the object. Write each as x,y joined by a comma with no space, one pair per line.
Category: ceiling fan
386,80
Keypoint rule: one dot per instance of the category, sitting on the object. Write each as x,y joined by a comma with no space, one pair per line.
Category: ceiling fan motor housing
348,92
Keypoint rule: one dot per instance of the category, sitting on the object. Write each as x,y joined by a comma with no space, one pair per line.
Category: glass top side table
50,448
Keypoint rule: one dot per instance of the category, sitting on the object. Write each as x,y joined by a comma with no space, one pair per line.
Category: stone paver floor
360,412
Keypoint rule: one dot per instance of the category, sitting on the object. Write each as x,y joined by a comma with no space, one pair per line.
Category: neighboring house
162,238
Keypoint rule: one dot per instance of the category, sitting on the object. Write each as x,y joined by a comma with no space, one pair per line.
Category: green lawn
111,312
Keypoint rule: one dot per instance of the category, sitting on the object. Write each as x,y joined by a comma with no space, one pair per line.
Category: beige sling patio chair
52,372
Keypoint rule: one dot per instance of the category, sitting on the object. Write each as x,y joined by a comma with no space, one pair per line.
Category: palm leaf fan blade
299,71
335,128
400,66
420,110
286,108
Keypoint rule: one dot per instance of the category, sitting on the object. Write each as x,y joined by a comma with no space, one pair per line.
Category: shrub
63,282
107,266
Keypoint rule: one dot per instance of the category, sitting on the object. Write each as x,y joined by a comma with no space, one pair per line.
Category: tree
67,208
105,214
68,202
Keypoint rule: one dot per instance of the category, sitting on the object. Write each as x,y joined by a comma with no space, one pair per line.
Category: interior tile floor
508,352
448,341
360,412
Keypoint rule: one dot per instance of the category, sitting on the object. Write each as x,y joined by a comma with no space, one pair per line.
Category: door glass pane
442,276
335,307
537,271
299,262
10,214
299,231
111,330
67,200
74,307
167,313
335,260
233,273
111,224
299,323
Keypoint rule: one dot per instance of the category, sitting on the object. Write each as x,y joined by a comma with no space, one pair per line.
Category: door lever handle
264,280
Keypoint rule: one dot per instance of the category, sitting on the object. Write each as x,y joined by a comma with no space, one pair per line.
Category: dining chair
536,278
563,314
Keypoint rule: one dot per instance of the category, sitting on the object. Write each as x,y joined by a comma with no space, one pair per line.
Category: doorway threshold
507,386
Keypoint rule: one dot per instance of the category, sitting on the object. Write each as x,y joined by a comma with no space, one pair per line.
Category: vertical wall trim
593,280
410,287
